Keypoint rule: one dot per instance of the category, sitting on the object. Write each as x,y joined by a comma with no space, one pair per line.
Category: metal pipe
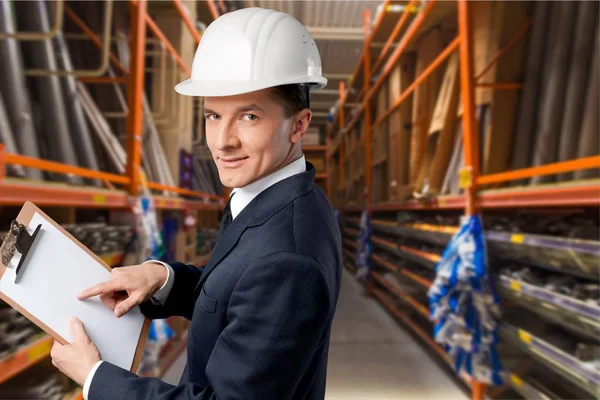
108,9
222,6
174,98
7,138
102,80
14,89
163,82
17,159
435,64
135,92
394,34
391,63
469,124
185,17
161,36
31,36
213,9
549,169
82,138
49,89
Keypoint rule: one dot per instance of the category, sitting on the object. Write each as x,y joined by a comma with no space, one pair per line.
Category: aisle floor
372,357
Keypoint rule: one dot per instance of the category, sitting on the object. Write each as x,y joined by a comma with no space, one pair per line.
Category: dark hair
293,98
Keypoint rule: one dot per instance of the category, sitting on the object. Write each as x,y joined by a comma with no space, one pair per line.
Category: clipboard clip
19,240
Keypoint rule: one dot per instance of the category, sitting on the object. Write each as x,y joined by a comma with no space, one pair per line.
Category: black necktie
227,218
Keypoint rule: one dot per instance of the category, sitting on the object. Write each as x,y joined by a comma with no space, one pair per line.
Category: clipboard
39,307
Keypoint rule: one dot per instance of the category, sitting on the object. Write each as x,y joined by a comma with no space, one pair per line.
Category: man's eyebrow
241,109
249,107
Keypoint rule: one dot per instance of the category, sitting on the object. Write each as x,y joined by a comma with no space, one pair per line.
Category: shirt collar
243,196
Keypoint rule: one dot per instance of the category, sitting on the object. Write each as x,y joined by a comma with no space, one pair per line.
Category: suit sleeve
277,317
180,301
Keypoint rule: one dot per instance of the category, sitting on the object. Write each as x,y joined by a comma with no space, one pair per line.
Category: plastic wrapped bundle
464,306
365,247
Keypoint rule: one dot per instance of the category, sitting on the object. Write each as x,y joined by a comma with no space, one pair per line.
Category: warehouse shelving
526,389
393,288
550,195
587,378
480,192
563,310
119,191
29,355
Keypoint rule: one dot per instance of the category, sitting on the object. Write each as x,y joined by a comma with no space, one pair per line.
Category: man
261,310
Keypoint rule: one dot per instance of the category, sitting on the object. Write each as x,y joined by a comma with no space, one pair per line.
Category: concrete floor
372,357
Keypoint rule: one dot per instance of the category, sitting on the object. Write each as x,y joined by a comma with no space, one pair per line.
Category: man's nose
227,137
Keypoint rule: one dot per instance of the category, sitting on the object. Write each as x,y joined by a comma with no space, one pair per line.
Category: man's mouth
232,161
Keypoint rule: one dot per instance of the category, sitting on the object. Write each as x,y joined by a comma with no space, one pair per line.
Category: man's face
248,136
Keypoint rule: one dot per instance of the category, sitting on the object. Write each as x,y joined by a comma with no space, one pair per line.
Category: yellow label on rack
515,285
465,178
442,202
39,350
518,382
99,199
517,238
524,336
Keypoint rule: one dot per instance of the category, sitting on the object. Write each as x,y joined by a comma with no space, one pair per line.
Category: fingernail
72,319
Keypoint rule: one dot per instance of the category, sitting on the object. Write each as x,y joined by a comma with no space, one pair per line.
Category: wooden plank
504,106
579,70
380,134
400,128
429,46
553,97
441,132
485,45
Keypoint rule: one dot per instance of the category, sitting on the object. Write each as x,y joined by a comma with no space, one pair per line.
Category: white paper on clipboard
57,269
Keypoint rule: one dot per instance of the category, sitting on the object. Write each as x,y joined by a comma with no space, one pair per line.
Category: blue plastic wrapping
465,307
365,247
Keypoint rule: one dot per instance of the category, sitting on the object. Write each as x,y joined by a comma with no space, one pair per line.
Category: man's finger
100,288
109,301
126,305
55,348
78,330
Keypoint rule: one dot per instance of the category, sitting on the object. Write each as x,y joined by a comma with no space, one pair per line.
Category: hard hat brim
220,88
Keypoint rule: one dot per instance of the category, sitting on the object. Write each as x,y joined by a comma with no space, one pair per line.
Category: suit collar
243,196
259,210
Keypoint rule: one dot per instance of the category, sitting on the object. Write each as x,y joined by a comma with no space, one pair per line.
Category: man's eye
212,117
249,117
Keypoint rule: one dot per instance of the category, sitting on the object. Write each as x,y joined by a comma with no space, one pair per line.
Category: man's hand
128,287
77,359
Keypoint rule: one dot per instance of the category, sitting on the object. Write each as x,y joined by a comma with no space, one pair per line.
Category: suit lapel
260,209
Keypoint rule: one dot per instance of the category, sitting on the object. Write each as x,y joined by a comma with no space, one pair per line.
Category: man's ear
301,121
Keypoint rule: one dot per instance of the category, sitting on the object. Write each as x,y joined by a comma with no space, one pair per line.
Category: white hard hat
252,49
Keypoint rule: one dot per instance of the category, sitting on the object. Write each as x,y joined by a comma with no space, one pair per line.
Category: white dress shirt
243,197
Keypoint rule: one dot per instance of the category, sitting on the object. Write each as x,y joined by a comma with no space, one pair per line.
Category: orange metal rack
16,192
571,194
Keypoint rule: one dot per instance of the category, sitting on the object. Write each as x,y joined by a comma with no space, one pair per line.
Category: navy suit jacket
260,310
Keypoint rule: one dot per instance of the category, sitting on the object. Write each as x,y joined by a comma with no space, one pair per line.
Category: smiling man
261,309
